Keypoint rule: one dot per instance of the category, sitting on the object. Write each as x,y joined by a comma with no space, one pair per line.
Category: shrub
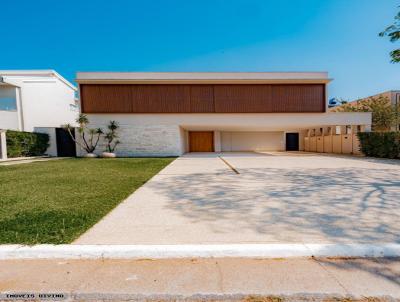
380,144
21,143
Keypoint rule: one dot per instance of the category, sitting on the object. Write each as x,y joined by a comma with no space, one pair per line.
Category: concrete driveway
276,198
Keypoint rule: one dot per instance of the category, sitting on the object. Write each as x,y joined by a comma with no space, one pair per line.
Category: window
74,106
8,99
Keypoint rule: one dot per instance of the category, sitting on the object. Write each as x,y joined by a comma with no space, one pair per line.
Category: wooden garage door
201,141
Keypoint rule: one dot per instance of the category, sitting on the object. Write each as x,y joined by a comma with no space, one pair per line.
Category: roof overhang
202,77
5,82
35,73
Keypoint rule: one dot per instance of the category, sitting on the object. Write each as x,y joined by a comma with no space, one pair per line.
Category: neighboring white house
31,99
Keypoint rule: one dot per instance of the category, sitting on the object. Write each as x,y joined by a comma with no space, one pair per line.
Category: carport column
217,141
3,145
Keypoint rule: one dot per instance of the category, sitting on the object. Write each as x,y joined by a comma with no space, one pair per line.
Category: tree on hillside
393,32
384,114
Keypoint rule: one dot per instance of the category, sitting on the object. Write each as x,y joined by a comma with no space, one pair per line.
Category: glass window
73,107
8,99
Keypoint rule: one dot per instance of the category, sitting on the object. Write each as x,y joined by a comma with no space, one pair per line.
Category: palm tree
89,145
111,136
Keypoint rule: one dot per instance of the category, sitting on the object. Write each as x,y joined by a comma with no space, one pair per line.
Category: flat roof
202,77
33,73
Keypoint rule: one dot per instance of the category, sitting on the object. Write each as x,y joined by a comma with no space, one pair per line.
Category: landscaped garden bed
56,201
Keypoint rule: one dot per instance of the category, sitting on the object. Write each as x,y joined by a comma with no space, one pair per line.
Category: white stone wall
144,140
150,140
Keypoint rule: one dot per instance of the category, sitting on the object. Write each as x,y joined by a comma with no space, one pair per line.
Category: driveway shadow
325,205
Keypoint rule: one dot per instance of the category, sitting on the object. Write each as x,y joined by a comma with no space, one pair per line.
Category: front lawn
56,201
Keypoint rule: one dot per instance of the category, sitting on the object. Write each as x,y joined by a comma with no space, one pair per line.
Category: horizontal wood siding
185,98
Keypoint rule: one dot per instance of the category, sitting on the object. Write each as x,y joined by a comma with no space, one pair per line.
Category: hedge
380,144
21,143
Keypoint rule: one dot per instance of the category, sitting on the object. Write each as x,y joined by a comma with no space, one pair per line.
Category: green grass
56,201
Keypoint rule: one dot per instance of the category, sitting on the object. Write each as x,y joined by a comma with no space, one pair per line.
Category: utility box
328,144
347,143
313,144
307,144
337,143
320,144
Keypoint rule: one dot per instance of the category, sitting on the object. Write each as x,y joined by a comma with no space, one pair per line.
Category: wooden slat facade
243,98
199,98
202,99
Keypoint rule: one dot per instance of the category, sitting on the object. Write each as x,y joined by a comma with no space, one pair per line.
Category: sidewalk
27,160
295,279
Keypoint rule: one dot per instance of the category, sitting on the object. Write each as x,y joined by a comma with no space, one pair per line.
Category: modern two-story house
168,114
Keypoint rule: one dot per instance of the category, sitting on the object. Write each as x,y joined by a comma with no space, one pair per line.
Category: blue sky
338,36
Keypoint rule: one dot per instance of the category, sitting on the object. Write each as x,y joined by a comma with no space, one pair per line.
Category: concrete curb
304,297
8,252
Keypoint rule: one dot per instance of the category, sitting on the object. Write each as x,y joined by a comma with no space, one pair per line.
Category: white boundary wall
331,141
52,149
